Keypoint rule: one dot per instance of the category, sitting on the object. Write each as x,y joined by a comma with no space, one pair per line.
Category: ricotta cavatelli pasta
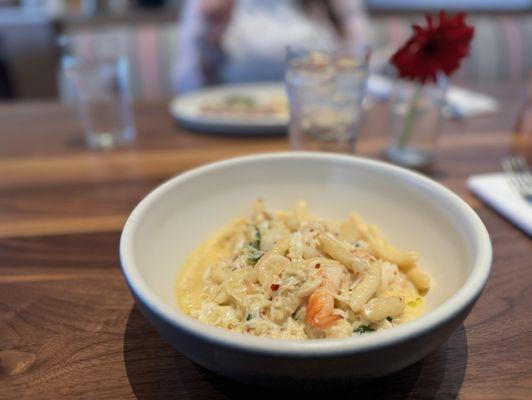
291,275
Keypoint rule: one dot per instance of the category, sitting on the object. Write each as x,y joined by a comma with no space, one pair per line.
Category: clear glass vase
415,119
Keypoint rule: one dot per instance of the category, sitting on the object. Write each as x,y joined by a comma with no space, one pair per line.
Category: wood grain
64,302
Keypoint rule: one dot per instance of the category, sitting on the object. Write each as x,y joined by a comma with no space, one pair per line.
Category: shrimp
321,302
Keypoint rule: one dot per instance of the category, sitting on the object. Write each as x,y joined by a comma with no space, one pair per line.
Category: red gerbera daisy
434,48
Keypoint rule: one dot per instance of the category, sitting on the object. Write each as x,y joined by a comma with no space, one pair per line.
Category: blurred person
229,41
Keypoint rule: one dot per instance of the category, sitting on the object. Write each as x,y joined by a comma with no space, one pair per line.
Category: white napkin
466,103
461,102
495,190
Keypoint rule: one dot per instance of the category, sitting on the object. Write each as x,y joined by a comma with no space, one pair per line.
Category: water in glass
99,88
325,91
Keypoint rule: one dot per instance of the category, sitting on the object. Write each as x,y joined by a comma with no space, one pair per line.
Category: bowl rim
466,295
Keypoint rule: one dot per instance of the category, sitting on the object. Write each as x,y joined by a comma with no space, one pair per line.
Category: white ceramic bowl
412,210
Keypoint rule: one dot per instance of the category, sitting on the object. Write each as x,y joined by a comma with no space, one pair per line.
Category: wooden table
66,311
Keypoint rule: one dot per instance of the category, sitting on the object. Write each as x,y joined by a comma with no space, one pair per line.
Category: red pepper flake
274,287
263,312
317,266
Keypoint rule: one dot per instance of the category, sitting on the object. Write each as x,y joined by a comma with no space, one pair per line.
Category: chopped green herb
389,319
238,99
249,317
363,329
254,254
256,241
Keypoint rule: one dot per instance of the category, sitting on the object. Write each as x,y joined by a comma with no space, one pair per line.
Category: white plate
186,109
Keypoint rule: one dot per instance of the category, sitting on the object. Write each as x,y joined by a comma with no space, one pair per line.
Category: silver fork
518,174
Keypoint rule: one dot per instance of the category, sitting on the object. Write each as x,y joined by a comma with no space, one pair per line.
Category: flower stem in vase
430,55
409,118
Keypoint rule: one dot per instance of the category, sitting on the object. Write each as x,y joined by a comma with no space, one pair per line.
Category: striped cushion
501,49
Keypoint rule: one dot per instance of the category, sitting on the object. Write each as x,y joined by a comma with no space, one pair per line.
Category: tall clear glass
99,88
325,91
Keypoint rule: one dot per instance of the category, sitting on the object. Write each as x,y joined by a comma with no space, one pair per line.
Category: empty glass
325,91
99,87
